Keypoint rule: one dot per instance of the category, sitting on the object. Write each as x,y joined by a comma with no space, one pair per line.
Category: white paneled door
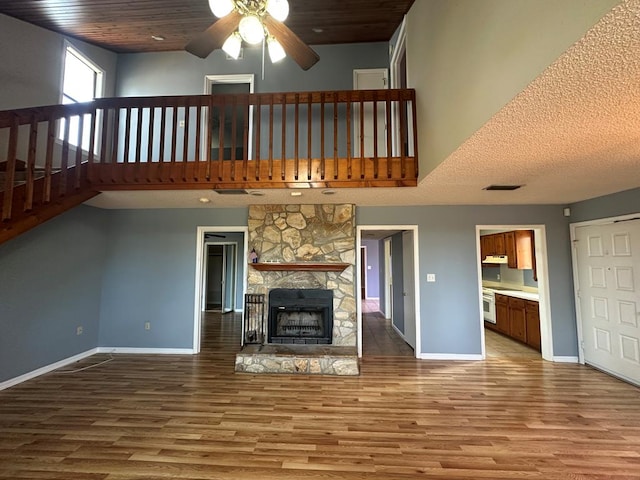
608,267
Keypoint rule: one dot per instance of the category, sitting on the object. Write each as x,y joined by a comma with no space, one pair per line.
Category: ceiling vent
232,192
502,187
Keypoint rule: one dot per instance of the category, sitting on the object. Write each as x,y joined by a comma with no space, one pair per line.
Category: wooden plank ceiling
126,26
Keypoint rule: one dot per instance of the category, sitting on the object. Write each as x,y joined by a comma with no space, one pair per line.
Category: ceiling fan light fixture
278,9
276,52
251,29
221,8
233,45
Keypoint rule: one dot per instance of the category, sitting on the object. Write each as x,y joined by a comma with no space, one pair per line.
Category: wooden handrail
363,138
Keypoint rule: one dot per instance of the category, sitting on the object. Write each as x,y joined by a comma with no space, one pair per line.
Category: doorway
394,328
229,140
529,285
221,281
220,278
370,79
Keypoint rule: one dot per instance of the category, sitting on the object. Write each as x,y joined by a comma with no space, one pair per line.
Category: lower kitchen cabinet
518,319
532,316
502,313
517,323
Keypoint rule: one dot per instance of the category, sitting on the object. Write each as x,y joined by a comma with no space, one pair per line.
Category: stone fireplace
306,248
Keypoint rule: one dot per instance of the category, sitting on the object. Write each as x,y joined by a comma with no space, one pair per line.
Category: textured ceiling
572,134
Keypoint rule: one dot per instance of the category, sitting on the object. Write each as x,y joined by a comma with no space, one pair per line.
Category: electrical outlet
79,330
147,325
498,276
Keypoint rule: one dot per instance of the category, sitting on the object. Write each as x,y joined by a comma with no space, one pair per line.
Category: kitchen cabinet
517,322
502,313
518,319
532,319
499,244
487,246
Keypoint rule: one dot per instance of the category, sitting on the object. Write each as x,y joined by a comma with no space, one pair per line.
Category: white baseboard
560,359
450,356
46,369
397,330
146,351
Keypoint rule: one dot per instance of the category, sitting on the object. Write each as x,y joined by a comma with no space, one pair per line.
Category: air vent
231,192
502,187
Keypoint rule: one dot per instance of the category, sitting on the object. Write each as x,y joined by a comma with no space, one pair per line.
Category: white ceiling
571,135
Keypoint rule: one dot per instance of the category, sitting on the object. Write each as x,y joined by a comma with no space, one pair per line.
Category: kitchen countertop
516,293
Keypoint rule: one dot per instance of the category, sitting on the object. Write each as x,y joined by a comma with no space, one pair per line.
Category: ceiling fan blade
214,36
301,53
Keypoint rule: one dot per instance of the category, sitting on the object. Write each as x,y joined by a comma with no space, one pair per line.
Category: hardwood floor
500,346
187,417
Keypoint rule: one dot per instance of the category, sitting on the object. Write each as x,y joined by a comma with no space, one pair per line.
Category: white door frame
209,81
416,277
574,263
384,72
394,66
388,280
546,333
200,269
224,271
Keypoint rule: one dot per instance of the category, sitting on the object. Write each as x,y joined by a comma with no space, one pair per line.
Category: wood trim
299,266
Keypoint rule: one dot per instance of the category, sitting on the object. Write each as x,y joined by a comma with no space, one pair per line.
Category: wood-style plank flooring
187,417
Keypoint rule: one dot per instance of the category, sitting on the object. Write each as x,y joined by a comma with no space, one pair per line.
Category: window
82,82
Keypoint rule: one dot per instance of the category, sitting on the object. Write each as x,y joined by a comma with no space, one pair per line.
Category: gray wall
373,274
150,275
180,73
50,280
31,64
397,252
450,309
622,203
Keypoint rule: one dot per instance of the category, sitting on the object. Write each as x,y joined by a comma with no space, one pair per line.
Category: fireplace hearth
300,316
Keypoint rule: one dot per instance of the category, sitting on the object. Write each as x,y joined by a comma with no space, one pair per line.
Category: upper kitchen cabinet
520,249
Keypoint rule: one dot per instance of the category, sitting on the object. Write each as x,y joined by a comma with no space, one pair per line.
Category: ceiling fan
252,21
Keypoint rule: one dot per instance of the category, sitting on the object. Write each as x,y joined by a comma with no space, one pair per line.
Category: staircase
332,139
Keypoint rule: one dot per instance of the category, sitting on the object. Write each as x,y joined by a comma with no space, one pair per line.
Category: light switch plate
431,277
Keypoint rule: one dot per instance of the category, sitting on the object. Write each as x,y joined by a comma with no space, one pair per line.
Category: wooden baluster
163,139
271,137
138,146
335,135
31,164
78,162
296,141
127,140
64,158
150,136
245,137
93,120
375,138
349,158
309,133
234,132
48,160
415,133
103,144
388,129
258,128
322,159
403,139
284,137
12,151
185,140
174,142
196,170
362,164
114,148
221,115
209,136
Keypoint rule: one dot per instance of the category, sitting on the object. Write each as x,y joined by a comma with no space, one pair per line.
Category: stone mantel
299,266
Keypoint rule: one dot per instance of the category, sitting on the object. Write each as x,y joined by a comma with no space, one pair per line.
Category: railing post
12,151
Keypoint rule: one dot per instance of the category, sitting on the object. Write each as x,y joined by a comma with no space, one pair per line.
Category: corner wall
467,59
50,280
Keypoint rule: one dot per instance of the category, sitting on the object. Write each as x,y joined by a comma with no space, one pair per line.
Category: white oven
489,305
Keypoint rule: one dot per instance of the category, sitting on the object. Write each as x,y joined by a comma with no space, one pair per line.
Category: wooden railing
251,141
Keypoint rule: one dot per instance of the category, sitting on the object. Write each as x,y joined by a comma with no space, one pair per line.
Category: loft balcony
332,139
